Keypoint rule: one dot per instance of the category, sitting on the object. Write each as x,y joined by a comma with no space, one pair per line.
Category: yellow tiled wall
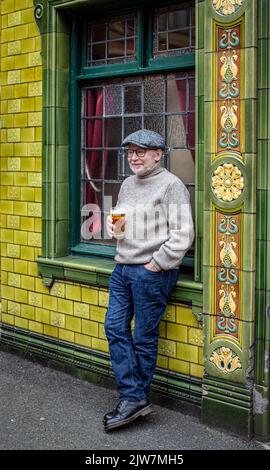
68,311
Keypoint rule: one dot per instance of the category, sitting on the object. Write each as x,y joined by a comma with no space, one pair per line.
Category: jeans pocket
157,274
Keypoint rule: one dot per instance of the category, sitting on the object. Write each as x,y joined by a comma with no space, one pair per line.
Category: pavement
42,408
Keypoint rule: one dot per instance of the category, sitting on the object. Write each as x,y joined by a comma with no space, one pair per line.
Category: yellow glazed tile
51,331
162,361
21,179
20,208
7,292
28,164
176,332
65,306
184,316
35,299
166,347
14,308
195,336
101,331
187,352
20,237
179,366
42,316
81,310
14,47
21,296
14,106
28,194
21,32
8,319
14,76
20,149
28,282
20,120
13,251
14,280
83,340
196,370
14,135
28,312
49,302
7,264
27,253
73,292
74,324
14,18
90,328
20,266
58,289
57,319
97,313
90,295
21,323
39,286
103,298
100,344
35,326
66,335
7,235
20,91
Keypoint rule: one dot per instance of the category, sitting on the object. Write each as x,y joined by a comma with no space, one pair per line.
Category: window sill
96,271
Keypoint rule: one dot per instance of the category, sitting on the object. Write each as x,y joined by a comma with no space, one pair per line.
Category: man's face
140,164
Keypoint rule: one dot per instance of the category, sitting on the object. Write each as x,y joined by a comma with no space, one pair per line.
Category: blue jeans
136,291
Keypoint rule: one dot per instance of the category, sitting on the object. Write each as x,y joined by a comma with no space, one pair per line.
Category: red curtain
93,161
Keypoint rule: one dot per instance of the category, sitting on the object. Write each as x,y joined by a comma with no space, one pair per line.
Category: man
157,206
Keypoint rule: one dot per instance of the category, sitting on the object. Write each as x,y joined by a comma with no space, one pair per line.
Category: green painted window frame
81,75
56,261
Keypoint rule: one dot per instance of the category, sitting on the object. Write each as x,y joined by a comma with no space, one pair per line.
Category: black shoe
125,412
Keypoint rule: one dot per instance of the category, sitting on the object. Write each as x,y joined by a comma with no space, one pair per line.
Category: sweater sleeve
180,227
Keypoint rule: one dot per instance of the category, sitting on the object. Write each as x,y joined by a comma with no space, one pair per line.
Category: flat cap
145,139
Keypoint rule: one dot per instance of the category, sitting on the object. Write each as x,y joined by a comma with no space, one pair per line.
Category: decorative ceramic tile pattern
225,360
226,7
228,88
227,182
228,264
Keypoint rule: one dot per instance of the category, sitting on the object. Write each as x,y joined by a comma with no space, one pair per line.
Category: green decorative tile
263,12
62,200
199,86
261,222
61,232
250,126
199,168
62,119
210,59
262,63
200,25
248,241
200,120
260,302
261,262
262,164
250,57
262,114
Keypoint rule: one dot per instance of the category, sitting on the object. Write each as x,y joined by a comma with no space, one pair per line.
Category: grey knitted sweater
159,225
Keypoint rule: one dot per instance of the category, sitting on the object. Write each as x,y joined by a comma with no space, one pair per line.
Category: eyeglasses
140,153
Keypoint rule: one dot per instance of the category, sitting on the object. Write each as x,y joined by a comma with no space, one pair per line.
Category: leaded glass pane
174,30
112,41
